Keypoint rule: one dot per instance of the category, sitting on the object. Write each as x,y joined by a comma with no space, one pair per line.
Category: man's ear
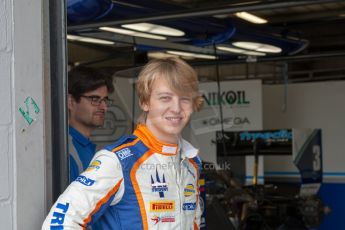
70,101
144,107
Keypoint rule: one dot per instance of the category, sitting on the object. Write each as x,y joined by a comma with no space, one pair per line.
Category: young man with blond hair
148,180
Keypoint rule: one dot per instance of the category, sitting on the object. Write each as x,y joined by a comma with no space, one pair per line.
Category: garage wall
312,105
315,105
6,121
308,105
22,190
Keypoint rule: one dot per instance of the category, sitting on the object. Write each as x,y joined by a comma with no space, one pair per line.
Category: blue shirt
85,149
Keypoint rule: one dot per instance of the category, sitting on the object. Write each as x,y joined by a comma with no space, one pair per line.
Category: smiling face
84,116
167,112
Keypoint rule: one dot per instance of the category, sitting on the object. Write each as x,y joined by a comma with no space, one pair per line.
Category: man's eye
164,98
95,99
188,99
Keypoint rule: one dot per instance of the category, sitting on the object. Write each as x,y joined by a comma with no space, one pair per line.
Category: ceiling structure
311,35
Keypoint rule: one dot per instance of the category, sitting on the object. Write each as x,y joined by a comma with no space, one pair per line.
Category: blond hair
180,77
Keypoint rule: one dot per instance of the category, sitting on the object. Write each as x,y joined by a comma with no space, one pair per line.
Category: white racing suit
136,183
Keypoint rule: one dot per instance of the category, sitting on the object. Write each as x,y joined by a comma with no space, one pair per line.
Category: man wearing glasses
88,101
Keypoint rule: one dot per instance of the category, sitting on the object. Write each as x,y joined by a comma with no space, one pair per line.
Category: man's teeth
174,118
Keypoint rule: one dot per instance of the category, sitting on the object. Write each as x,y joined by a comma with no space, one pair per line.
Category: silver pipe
275,59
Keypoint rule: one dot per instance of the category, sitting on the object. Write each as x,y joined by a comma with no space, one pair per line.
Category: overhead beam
201,12
274,59
306,16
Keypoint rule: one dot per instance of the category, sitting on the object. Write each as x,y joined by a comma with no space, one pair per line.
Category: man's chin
99,124
175,130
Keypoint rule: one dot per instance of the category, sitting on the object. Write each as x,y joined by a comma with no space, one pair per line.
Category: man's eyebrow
164,93
97,96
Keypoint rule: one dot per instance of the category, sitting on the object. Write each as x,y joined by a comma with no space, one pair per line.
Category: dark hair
83,79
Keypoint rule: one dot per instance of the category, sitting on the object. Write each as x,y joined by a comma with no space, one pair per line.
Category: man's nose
176,105
103,104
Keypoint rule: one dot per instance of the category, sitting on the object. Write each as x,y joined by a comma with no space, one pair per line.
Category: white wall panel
29,151
6,120
22,145
311,105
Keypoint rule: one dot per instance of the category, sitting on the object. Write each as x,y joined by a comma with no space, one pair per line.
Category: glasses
96,100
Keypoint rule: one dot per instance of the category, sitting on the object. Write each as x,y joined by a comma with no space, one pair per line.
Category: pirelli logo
162,206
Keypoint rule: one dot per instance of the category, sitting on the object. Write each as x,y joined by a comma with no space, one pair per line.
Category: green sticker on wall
29,110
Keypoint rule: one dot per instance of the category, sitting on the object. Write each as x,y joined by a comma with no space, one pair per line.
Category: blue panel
128,208
85,10
199,31
309,159
333,195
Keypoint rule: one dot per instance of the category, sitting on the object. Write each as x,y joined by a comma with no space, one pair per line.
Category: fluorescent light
132,33
230,49
269,49
247,45
154,29
253,53
260,47
88,39
159,55
251,18
240,51
187,54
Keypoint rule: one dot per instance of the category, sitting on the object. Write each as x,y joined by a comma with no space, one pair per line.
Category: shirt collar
79,137
188,149
143,133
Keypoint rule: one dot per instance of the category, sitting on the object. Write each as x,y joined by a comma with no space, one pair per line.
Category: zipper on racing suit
181,193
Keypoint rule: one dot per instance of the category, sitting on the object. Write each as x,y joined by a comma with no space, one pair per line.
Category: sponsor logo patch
95,165
59,216
124,153
162,219
159,185
162,206
189,206
201,182
189,190
84,180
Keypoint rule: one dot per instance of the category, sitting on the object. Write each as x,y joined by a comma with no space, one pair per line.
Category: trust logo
159,185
